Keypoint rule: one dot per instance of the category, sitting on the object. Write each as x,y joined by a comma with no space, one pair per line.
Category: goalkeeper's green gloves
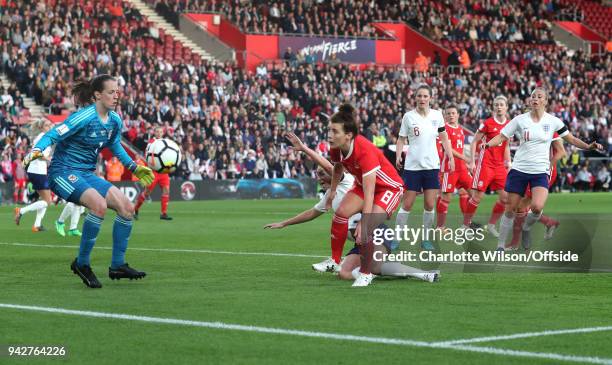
33,155
144,174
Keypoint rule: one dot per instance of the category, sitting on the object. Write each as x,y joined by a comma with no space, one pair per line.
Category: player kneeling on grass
324,171
349,267
72,173
535,131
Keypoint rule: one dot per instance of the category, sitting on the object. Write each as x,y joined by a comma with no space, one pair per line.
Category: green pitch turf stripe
325,335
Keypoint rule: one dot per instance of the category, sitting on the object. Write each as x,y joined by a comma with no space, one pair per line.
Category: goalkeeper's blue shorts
70,185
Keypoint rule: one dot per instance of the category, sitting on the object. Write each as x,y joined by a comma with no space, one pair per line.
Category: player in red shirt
557,152
21,178
164,182
460,178
378,187
489,166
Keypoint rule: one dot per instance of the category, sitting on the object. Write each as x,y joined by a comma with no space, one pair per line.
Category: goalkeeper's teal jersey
81,137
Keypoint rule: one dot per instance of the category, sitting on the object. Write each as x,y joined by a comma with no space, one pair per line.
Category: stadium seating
515,20
225,116
595,15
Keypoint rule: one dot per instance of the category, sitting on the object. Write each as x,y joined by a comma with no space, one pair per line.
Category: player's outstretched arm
496,141
507,157
318,159
593,146
399,148
448,150
558,152
303,217
473,146
336,178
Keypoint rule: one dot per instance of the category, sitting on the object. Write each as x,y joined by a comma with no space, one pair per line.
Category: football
163,155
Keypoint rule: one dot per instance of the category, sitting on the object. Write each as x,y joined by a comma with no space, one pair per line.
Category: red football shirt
456,138
364,158
493,156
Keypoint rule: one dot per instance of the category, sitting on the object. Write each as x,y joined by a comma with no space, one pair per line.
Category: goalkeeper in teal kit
72,173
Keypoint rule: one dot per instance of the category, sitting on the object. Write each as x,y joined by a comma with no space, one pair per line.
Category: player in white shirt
73,211
37,174
421,167
324,172
531,167
348,269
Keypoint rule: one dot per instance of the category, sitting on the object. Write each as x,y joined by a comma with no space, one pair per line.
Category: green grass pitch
198,271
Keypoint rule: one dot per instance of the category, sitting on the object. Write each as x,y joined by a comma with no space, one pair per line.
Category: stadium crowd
518,21
231,122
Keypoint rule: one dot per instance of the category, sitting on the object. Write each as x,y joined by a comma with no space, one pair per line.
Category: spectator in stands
114,169
583,178
421,63
602,183
464,59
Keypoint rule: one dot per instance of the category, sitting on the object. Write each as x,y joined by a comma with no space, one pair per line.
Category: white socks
401,271
74,216
428,220
355,272
530,220
74,211
40,213
402,218
39,204
68,209
40,207
505,227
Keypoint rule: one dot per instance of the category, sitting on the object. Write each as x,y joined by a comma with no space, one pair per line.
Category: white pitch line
540,355
283,254
325,335
527,335
23,244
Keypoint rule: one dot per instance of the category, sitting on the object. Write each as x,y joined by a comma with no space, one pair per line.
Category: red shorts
20,183
449,181
162,179
487,176
389,200
551,181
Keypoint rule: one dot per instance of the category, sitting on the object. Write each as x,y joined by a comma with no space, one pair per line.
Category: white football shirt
533,154
39,166
421,132
343,187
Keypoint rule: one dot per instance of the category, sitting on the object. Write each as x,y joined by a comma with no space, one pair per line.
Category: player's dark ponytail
346,117
83,90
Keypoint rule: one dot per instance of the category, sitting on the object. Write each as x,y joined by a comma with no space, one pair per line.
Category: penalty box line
324,335
283,254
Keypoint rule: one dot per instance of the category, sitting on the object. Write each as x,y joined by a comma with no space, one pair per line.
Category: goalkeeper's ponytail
83,90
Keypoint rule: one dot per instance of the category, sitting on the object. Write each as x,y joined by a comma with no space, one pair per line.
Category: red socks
463,199
442,209
470,210
164,203
519,219
139,201
339,231
498,210
548,221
